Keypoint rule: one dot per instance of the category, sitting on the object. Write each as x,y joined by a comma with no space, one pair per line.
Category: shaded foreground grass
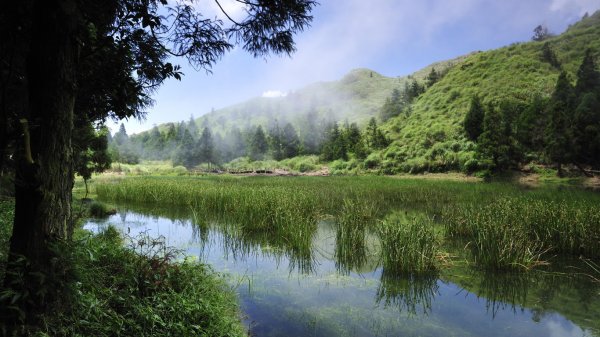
506,226
114,290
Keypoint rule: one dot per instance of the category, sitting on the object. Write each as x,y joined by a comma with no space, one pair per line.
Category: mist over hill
422,114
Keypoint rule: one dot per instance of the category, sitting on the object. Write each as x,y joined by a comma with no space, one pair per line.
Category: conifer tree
492,141
258,144
559,143
291,142
473,122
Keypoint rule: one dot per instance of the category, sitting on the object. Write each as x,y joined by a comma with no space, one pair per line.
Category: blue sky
392,37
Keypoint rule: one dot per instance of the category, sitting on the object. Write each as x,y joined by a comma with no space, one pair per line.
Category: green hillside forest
531,102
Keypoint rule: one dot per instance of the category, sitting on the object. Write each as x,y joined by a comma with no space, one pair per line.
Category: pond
319,290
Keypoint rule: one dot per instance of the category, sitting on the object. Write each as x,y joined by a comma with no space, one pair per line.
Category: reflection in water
332,285
407,292
350,246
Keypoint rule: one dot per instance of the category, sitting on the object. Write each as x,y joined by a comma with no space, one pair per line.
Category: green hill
357,97
431,138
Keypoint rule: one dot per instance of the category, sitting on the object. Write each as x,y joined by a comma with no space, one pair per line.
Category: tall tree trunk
43,181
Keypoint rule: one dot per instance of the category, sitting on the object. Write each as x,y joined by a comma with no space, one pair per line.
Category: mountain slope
357,97
431,138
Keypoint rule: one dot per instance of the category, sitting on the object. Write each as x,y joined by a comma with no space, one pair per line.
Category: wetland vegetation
407,246
505,226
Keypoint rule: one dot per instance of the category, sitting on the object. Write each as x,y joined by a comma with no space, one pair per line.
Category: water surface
323,291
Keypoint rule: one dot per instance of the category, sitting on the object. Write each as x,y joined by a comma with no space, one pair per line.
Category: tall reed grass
508,227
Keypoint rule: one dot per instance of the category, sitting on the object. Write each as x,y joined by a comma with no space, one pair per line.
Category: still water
319,293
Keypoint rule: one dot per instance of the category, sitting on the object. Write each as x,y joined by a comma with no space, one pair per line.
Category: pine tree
205,147
586,127
374,138
531,125
291,142
559,145
354,141
549,56
473,122
258,144
276,142
186,154
432,78
492,141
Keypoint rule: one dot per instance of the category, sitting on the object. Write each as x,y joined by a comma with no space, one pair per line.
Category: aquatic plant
409,246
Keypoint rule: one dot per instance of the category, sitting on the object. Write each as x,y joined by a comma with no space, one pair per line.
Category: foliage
515,74
473,122
410,245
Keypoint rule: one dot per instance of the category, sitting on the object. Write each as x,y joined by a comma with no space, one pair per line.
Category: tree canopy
67,60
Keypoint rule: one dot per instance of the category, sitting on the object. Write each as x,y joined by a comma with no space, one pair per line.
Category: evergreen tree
559,145
374,138
291,142
473,122
185,154
586,136
276,142
531,125
205,147
586,127
121,136
354,141
588,77
432,78
258,144
193,127
549,56
335,145
393,106
492,141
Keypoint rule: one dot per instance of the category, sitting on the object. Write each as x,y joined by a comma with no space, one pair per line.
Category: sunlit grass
504,226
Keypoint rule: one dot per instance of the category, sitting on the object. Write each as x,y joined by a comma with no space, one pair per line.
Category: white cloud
581,6
274,94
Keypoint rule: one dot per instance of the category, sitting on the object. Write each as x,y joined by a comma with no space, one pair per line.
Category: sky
391,37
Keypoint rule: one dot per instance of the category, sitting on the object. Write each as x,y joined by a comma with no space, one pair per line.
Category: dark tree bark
43,173
44,181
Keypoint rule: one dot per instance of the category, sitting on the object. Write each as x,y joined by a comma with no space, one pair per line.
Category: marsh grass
520,232
409,245
351,226
507,226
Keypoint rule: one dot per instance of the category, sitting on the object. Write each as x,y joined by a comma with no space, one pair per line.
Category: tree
192,127
473,122
559,131
103,59
588,77
90,151
586,126
258,144
393,106
205,147
186,154
531,125
335,145
353,141
541,33
432,78
276,142
549,56
290,141
121,136
374,138
492,141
